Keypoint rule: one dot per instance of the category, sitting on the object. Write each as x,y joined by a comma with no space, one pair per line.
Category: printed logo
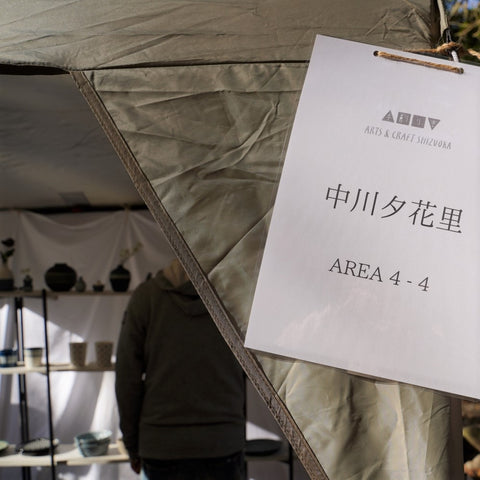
404,118
433,122
395,129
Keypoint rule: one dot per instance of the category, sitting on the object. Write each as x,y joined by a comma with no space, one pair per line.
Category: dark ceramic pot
80,285
27,283
60,277
6,278
119,279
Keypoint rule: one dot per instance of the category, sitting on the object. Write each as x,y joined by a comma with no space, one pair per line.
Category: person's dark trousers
221,468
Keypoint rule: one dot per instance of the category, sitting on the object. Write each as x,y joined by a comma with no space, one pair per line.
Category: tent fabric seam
246,358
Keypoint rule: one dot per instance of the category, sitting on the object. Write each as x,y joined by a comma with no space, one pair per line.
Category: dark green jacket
180,391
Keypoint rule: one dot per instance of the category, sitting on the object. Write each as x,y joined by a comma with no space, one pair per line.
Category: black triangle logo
433,122
388,117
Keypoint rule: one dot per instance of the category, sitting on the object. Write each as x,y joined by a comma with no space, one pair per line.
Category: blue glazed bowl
92,444
8,357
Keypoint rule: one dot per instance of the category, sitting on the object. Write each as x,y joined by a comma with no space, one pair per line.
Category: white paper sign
372,257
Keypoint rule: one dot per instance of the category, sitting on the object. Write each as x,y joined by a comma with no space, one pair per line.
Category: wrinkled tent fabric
198,99
86,34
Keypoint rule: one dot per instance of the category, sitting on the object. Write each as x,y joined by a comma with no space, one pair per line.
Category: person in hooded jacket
179,389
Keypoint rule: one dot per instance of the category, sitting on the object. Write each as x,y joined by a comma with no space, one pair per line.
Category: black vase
119,279
60,277
6,278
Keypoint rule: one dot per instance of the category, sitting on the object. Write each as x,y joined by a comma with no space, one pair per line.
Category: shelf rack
63,454
20,369
54,295
68,454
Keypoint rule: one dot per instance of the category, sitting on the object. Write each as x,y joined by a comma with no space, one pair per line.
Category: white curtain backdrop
90,243
82,401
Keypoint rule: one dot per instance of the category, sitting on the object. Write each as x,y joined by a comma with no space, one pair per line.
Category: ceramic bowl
95,443
8,357
33,357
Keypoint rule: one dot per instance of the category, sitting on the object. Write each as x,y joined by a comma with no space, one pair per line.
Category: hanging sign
372,257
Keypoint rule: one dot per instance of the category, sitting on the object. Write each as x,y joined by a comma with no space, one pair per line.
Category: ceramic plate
8,365
37,446
259,447
3,445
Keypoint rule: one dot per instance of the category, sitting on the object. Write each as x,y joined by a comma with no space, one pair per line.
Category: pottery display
8,357
80,285
37,446
27,283
103,354
33,356
60,277
6,275
3,445
93,443
119,279
78,353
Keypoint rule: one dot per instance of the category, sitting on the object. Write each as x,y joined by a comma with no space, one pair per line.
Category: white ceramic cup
78,353
33,356
103,352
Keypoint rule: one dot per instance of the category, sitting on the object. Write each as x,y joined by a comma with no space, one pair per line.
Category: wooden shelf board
54,295
65,454
68,454
20,293
54,367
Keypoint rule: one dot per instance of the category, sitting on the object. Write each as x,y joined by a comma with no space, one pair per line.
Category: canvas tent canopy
198,99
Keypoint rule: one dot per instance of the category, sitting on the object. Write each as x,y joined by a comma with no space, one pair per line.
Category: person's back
180,391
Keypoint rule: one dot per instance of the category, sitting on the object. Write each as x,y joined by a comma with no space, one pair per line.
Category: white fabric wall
90,243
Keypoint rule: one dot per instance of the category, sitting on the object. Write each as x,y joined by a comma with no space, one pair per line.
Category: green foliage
8,249
464,19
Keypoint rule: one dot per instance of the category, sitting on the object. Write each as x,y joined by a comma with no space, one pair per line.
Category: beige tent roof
198,99
46,123
83,35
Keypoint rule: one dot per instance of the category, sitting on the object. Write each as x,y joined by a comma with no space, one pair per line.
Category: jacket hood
184,296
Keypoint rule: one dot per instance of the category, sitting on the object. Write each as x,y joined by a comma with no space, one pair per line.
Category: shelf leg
22,382
49,398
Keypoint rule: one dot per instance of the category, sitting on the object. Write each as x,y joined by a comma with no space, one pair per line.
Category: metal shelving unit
64,454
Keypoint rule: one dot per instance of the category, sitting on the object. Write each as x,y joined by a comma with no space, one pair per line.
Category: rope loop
399,58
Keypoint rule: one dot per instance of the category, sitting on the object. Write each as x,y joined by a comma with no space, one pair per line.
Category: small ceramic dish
98,287
3,445
37,446
262,447
92,444
8,357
